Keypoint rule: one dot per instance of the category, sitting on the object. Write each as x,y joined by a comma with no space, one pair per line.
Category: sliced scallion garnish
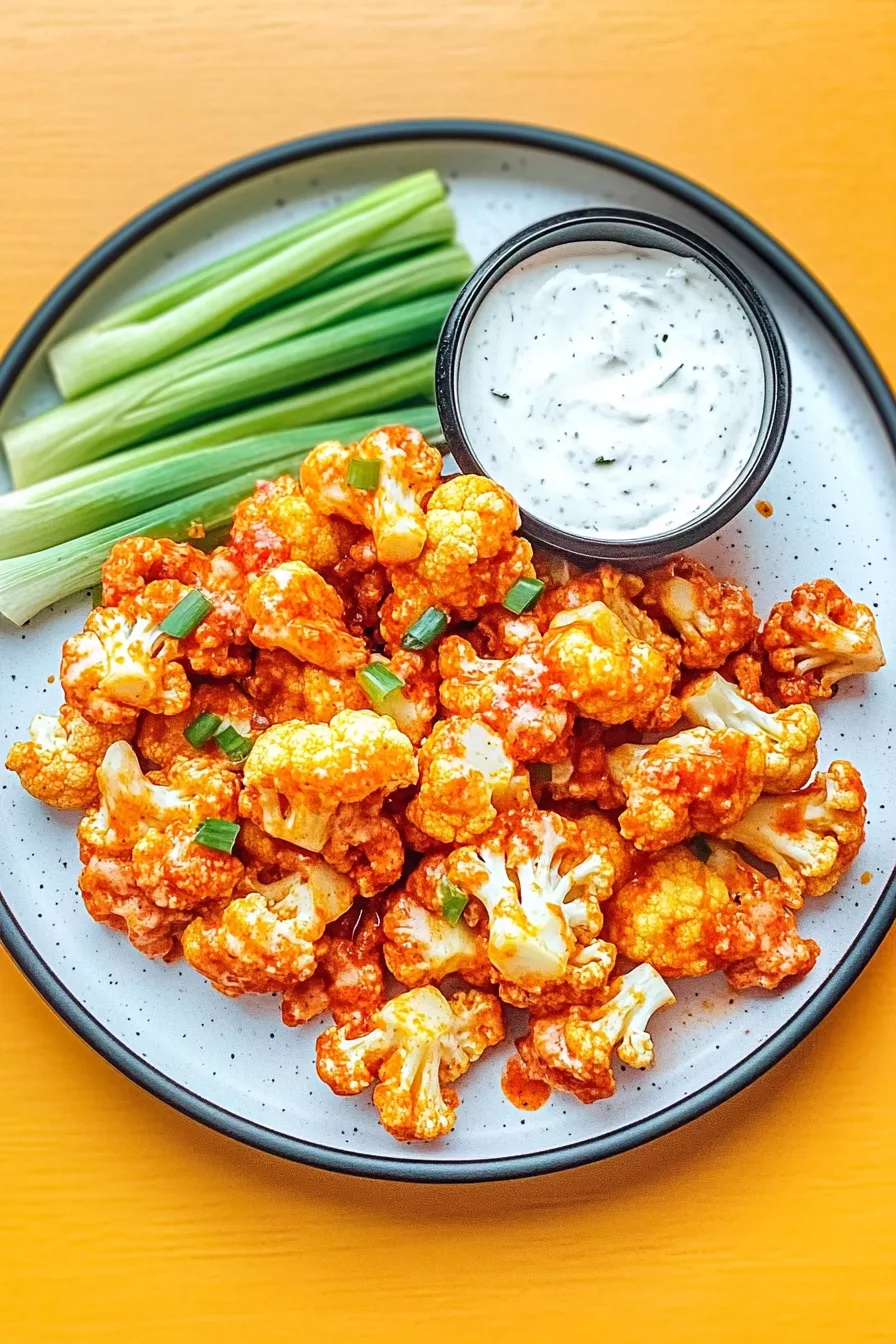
189,612
214,833
425,630
523,595
378,681
454,901
202,729
234,746
364,474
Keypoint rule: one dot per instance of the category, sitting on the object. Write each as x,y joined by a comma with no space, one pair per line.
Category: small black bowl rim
540,235
511,136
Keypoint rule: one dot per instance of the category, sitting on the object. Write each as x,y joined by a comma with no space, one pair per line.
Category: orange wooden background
773,1218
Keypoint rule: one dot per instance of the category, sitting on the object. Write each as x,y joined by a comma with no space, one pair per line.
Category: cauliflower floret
541,889
573,1051
144,872
748,670
121,662
810,837
160,738
297,774
366,844
698,780
350,979
470,560
608,673
600,832
500,633
414,705
421,946
713,617
265,941
218,645
618,591
585,773
789,735
465,777
817,638
58,763
362,583
409,471
277,524
293,608
518,697
284,689
420,1041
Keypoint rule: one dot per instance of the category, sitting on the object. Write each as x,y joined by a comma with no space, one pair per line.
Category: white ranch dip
617,391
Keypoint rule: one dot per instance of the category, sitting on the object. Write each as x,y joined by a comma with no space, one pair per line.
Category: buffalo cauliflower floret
810,837
789,735
618,591
518,697
419,1043
409,469
179,873
499,633
293,608
362,583
366,844
572,1051
608,673
817,638
471,557
541,888
350,980
748,670
278,523
218,645
422,946
265,940
122,663
283,689
465,777
160,738
58,763
713,617
584,774
297,774
698,780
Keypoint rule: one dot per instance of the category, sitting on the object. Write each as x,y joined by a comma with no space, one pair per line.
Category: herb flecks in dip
620,389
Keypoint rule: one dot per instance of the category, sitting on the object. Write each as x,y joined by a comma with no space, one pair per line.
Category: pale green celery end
146,402
37,517
160,300
109,351
34,457
31,582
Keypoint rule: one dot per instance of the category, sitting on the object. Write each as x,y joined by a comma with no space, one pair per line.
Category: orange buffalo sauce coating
523,1092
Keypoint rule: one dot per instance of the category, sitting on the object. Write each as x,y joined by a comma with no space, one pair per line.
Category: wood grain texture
774,1217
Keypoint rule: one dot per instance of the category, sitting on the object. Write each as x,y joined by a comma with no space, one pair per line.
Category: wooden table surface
774,1217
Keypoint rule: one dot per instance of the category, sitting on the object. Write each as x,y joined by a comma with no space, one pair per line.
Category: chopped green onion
378,681
539,773
700,848
96,595
454,901
234,746
425,630
523,595
217,834
363,474
184,618
203,727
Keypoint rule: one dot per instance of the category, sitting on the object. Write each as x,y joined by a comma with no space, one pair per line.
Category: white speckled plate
232,1064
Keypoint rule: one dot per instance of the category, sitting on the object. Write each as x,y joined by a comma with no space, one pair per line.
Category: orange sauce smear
763,507
865,879
523,1092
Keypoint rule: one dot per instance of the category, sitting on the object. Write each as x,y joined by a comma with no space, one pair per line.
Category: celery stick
28,583
81,501
78,432
219,374
116,346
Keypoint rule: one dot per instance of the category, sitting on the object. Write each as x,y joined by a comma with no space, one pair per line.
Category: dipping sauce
619,390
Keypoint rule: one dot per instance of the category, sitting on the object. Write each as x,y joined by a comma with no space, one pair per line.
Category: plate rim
864,945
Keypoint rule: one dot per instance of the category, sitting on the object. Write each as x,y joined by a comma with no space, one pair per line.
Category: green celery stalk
117,346
82,501
28,583
78,432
